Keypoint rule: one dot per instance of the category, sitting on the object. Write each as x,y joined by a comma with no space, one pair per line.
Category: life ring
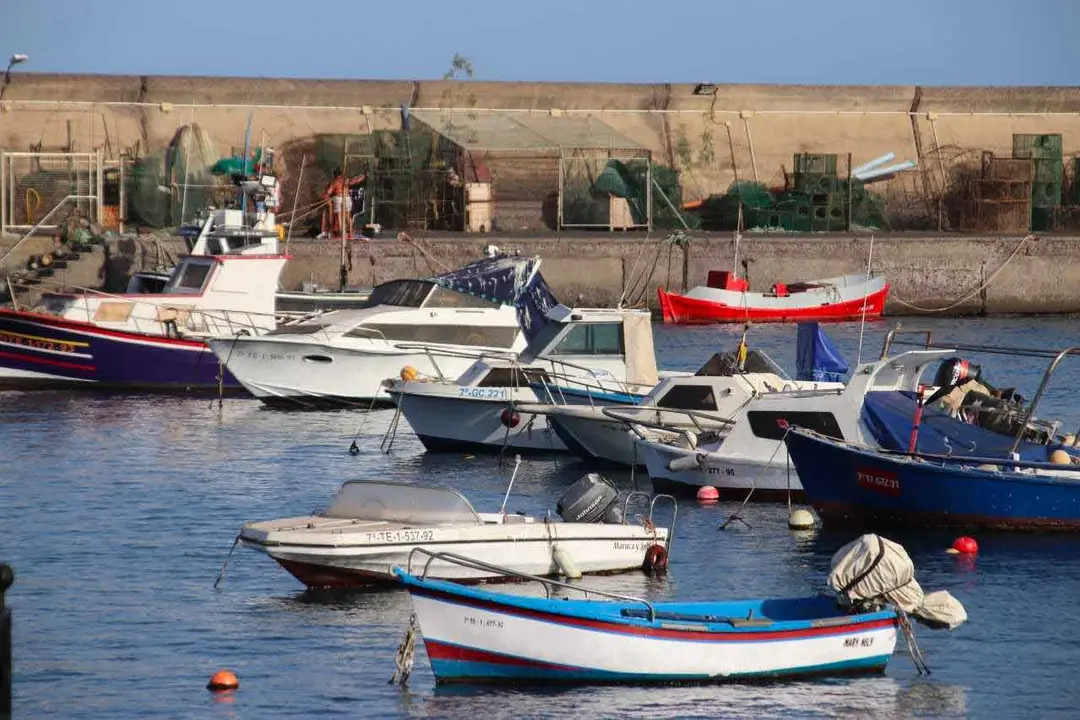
655,562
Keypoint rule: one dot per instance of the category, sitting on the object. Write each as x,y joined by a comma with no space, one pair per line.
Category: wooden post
7,577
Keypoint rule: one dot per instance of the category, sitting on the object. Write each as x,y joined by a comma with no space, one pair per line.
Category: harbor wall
744,131
1036,275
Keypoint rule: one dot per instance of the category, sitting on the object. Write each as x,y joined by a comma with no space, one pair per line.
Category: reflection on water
117,514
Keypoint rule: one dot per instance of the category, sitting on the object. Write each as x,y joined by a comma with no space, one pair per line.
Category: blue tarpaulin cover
890,415
507,280
816,358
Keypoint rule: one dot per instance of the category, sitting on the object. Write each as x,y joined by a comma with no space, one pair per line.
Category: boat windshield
399,502
403,293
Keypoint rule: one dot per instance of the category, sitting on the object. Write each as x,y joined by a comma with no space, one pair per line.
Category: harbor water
118,512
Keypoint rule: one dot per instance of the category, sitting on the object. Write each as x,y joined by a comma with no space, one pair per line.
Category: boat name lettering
390,536
878,480
475,392
271,356
39,343
858,642
481,622
632,544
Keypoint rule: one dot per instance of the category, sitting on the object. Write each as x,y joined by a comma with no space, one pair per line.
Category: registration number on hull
482,393
400,536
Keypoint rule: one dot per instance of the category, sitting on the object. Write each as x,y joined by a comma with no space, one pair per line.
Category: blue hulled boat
963,474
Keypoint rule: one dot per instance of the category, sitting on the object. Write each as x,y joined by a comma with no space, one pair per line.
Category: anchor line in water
354,449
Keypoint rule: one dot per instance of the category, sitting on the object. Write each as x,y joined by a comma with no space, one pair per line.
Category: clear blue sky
930,42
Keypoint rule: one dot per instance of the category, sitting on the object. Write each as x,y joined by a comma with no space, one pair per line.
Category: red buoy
965,545
223,680
708,494
509,419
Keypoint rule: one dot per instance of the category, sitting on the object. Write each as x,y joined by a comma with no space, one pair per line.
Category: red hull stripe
47,361
681,309
437,650
658,633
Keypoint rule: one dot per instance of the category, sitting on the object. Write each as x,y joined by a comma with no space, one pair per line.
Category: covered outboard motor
588,500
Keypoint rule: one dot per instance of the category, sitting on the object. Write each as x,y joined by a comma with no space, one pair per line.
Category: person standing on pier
337,193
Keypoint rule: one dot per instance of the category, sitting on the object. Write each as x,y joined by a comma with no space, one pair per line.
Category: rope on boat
354,449
913,646
737,513
391,431
985,284
406,654
221,573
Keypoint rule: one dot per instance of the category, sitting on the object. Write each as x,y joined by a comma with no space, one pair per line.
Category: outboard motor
955,372
591,499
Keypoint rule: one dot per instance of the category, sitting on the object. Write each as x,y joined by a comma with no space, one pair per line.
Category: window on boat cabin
592,339
443,298
768,423
477,335
688,397
192,277
513,377
402,293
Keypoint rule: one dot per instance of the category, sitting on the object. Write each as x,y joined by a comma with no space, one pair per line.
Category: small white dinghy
370,526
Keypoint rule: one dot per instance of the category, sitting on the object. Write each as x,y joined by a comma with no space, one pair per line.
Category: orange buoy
965,545
708,494
223,680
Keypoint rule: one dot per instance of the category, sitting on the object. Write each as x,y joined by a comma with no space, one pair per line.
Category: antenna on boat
244,166
862,323
187,160
517,464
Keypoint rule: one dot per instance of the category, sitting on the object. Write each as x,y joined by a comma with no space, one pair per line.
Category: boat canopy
816,358
401,503
509,281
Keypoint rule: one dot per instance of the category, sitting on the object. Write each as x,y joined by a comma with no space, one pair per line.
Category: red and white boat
727,298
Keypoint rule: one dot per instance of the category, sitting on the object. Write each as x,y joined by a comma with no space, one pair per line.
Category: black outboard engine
955,372
591,499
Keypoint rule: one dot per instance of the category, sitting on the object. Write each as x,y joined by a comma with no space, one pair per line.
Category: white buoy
801,520
565,563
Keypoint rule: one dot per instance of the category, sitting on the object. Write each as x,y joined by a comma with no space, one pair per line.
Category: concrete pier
1039,275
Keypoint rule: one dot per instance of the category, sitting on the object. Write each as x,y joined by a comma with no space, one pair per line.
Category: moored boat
371,526
727,298
479,636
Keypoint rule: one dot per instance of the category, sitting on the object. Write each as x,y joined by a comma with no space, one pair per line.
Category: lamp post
15,60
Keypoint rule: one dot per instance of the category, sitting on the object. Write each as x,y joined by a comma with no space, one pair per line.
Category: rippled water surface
117,513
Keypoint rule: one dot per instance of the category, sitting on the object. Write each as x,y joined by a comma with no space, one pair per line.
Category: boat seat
690,617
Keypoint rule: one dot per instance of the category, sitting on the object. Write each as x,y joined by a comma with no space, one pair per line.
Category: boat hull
756,307
44,351
530,549
850,485
597,441
310,375
770,481
476,637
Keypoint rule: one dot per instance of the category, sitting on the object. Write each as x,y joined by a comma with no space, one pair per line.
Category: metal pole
849,192
7,577
121,212
3,196
649,196
562,188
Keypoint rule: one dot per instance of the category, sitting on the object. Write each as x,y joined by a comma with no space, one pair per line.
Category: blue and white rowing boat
476,635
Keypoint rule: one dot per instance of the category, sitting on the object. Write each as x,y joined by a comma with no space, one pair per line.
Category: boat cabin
203,296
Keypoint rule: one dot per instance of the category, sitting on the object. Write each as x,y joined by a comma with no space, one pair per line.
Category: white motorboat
702,402
581,356
371,526
438,326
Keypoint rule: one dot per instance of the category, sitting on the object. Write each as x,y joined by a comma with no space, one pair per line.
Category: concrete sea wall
1039,275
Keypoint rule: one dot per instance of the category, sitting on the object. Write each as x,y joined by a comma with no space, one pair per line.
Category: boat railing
433,353
652,510
165,317
548,583
635,423
581,379
899,330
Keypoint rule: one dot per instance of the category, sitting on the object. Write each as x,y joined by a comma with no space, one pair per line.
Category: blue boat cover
890,415
507,280
816,358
